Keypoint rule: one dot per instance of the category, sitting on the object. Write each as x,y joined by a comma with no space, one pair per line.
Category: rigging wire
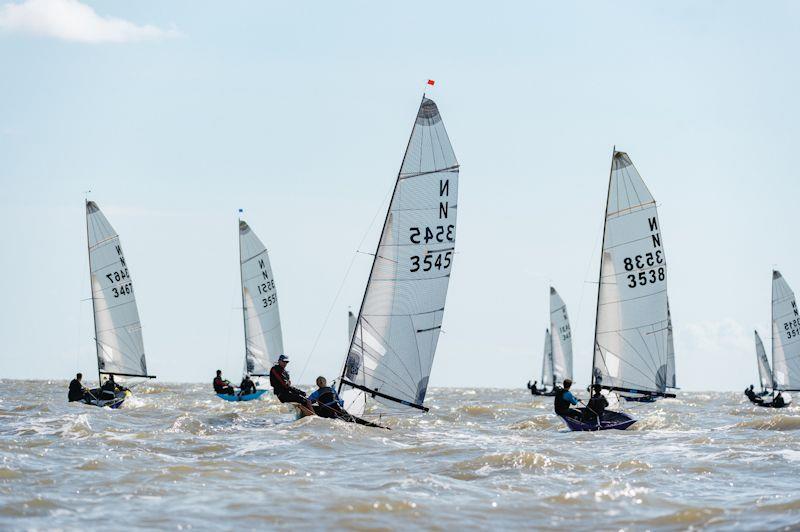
341,285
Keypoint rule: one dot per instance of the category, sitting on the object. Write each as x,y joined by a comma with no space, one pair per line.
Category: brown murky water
176,457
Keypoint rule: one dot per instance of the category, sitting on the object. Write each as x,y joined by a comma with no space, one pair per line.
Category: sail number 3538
639,262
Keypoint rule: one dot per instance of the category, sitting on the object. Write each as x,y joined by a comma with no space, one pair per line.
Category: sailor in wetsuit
752,395
779,401
597,405
77,391
247,386
328,402
221,385
282,385
110,388
564,399
534,390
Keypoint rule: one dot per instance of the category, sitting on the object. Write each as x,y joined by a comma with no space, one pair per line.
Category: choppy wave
175,456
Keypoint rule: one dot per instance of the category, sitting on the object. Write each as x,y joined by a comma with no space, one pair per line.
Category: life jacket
278,379
561,405
327,397
219,384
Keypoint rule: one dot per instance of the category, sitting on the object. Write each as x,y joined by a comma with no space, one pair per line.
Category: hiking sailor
282,385
564,399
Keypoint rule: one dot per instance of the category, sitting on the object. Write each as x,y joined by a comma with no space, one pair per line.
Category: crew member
779,401
597,405
282,385
563,400
328,402
77,391
110,388
221,385
247,386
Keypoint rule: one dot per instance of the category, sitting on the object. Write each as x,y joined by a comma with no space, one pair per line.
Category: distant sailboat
397,328
557,358
118,331
764,371
631,328
263,338
785,341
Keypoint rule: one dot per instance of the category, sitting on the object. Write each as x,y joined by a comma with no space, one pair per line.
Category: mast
241,289
600,269
91,291
772,327
377,248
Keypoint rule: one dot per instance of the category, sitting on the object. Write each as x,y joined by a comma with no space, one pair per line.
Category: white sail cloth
561,338
262,320
764,371
671,380
547,360
398,326
118,331
785,336
631,336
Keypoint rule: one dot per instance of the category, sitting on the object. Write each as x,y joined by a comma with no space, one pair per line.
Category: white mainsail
547,360
631,332
397,329
671,381
785,336
561,338
118,331
764,371
262,320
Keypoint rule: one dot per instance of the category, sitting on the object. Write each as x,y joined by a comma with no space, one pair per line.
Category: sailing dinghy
263,338
631,327
396,330
118,331
785,341
557,359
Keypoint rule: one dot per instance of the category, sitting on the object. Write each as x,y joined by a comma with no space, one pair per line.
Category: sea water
177,457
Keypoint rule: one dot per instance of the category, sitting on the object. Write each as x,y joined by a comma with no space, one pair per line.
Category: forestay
262,321
764,371
397,329
631,333
561,338
547,360
785,336
118,331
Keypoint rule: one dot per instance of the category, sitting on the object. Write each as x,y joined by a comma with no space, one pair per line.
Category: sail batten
118,329
260,310
633,329
396,331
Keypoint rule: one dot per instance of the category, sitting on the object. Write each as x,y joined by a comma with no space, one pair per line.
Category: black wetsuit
752,396
597,405
247,387
76,391
778,401
279,380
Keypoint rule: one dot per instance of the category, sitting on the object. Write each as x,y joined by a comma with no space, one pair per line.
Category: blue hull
248,397
611,420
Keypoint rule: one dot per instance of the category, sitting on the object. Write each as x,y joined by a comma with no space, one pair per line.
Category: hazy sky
176,114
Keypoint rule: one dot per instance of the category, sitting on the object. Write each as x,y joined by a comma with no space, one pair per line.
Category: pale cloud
70,20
